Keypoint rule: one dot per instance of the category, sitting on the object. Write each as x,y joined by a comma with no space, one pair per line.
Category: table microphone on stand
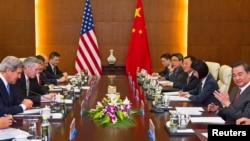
53,102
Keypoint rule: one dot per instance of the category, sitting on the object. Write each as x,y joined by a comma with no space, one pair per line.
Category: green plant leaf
97,115
120,115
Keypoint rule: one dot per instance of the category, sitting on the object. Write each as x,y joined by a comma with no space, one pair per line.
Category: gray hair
30,61
10,62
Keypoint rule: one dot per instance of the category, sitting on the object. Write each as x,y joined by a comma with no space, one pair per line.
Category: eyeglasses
175,60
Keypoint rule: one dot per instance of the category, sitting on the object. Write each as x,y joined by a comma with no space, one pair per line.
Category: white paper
205,134
165,81
185,131
171,93
190,110
32,111
71,76
60,86
178,98
56,115
214,120
68,101
10,133
56,89
76,90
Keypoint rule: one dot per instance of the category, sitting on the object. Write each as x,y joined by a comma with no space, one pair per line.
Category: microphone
41,95
53,102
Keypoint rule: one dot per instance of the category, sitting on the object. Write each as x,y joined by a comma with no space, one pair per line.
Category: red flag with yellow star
138,54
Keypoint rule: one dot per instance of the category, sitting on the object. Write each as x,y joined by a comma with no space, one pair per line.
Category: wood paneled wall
218,30
17,28
113,21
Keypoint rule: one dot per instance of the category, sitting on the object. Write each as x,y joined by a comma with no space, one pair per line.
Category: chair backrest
225,77
213,68
22,59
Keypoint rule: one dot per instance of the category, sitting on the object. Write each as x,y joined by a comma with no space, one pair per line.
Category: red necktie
237,95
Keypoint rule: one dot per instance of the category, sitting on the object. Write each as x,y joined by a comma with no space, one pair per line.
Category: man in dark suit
203,93
27,87
43,78
176,73
52,71
186,80
10,70
237,103
166,63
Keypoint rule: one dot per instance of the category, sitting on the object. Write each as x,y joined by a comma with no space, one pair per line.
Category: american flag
88,55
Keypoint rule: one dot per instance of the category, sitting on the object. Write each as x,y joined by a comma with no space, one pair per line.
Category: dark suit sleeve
206,95
50,75
194,82
19,89
180,81
239,109
9,106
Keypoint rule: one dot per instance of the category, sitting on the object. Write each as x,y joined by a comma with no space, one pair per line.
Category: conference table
88,130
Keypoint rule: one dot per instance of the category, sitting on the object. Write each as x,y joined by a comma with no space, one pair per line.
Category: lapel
5,94
243,95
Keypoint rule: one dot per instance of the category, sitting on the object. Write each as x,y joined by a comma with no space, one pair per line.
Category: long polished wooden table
88,130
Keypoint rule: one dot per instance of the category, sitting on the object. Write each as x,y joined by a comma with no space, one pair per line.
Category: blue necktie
8,89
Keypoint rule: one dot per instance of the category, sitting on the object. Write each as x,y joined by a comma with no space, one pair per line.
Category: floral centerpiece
113,111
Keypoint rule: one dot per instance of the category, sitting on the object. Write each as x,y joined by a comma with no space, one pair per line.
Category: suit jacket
238,109
164,73
205,95
35,86
19,89
51,75
9,104
46,80
181,82
173,77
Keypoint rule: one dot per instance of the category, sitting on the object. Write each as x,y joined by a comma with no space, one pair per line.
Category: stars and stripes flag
88,55
138,55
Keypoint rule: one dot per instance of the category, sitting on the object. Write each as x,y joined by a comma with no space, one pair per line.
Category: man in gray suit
237,103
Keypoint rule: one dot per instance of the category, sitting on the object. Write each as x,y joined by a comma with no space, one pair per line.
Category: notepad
213,120
10,133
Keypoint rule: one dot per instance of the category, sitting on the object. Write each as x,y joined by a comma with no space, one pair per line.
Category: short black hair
240,63
192,58
40,57
178,55
53,54
166,56
201,67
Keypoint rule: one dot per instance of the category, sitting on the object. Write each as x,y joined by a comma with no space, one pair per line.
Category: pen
13,120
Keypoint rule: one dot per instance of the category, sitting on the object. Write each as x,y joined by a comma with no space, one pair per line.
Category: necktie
8,89
27,86
54,70
188,79
237,95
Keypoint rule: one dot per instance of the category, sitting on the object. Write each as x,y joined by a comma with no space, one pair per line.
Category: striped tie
8,89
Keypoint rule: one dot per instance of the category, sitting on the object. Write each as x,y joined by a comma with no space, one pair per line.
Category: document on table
213,120
205,134
171,93
178,98
190,110
164,81
10,133
31,111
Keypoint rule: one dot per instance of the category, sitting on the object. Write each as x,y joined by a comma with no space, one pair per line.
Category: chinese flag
138,54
